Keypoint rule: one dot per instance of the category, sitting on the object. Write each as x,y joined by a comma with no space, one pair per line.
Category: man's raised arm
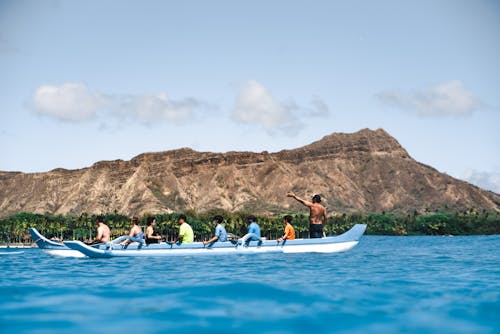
304,202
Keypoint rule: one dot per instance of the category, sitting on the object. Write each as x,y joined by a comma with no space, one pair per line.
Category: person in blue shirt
253,227
220,232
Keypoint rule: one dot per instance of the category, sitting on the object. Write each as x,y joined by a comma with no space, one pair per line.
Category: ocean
384,285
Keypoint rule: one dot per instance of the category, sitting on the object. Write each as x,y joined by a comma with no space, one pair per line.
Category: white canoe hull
326,248
341,243
64,253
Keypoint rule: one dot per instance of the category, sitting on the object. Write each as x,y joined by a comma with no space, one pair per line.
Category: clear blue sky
82,81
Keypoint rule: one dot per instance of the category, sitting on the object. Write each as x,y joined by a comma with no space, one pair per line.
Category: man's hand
290,194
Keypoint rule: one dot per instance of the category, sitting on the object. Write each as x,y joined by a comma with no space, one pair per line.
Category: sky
84,81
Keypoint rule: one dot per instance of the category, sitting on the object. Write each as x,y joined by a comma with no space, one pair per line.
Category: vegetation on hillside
15,228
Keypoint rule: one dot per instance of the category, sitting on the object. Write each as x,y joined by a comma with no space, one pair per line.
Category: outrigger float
340,243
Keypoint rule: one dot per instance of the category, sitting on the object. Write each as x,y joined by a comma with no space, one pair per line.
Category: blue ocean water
384,285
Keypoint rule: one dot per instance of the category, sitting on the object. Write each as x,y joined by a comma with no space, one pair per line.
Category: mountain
363,171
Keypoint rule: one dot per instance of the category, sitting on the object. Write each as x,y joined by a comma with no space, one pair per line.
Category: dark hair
100,219
288,218
218,219
151,220
316,199
252,218
183,217
135,220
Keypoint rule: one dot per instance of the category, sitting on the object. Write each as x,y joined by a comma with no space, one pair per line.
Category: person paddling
220,232
317,214
186,234
151,238
103,232
136,234
253,227
289,233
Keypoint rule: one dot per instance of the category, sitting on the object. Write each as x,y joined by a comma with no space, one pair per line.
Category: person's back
135,235
136,232
253,228
221,233
316,213
103,233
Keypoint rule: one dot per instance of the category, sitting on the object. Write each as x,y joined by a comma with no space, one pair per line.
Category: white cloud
448,98
68,102
485,180
75,102
152,108
255,105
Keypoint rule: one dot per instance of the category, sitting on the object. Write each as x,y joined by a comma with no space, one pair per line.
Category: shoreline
18,245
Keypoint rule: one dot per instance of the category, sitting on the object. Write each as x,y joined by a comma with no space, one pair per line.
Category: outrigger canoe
340,243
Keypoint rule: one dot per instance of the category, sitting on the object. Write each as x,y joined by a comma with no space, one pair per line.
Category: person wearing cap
220,232
186,234
289,233
253,227
317,214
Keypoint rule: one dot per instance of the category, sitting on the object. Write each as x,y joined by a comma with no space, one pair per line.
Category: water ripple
386,284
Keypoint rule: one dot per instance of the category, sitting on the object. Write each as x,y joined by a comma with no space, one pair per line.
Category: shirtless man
136,233
317,215
103,232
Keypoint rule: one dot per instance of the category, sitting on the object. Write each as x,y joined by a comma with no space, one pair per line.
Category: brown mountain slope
364,171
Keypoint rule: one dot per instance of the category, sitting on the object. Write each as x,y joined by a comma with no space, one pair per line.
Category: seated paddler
186,234
289,233
135,235
151,238
103,232
253,227
220,231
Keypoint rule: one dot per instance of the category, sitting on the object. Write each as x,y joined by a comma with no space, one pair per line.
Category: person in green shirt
186,234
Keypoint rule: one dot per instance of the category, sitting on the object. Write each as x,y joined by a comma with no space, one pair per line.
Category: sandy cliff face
364,171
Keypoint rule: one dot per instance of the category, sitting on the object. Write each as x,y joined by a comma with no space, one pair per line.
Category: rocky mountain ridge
363,171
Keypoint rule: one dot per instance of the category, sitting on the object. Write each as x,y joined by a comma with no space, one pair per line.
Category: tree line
14,229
